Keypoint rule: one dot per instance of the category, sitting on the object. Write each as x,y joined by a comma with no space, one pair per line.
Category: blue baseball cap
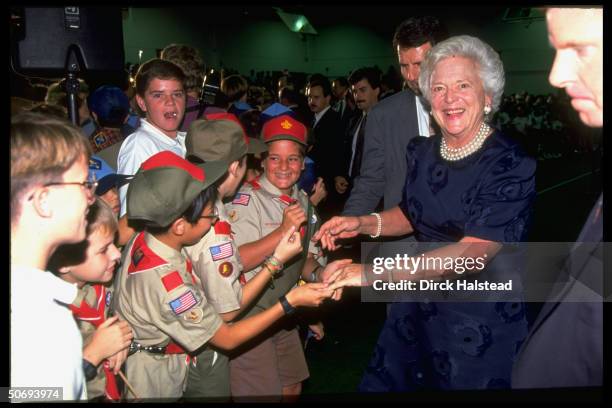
274,110
106,176
110,104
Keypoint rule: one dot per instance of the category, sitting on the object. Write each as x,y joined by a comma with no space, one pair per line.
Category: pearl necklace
451,154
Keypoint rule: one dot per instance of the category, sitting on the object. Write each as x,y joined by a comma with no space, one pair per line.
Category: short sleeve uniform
457,345
161,298
217,263
260,372
256,211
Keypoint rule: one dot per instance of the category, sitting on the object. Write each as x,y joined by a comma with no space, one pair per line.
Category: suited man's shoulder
395,102
331,115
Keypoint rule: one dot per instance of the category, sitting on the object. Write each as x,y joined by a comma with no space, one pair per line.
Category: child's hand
317,330
109,338
309,294
116,360
319,192
289,246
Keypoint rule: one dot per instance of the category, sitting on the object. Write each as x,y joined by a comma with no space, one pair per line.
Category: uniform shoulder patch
183,303
172,281
241,199
285,199
142,258
223,228
254,183
233,215
226,269
222,251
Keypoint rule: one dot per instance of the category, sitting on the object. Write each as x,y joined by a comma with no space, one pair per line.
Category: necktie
358,148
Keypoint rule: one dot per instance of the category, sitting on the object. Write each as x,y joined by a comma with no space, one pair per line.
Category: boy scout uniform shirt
217,263
90,309
256,211
157,293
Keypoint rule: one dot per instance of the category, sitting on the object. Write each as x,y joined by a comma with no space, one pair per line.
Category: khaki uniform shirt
217,263
89,316
256,211
159,296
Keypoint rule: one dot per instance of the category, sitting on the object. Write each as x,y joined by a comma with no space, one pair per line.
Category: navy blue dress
457,345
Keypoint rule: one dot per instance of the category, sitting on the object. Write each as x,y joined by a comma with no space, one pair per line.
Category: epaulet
285,199
222,228
254,183
142,258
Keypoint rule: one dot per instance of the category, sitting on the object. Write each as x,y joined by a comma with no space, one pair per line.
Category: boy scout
156,289
259,213
215,258
90,264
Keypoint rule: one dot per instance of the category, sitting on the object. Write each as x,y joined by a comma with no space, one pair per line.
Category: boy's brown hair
99,218
43,148
157,69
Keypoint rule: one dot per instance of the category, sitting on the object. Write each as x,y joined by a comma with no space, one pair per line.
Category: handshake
329,282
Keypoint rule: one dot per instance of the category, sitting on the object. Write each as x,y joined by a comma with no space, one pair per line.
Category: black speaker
40,38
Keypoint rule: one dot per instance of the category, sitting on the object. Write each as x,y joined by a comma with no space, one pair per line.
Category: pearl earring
487,109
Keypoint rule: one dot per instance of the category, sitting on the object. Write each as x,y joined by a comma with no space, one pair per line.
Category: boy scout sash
96,317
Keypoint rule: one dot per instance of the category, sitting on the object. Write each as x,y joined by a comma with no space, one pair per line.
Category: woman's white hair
491,70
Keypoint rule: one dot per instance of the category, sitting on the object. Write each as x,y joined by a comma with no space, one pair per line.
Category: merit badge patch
194,315
233,215
226,269
221,251
241,199
183,303
107,301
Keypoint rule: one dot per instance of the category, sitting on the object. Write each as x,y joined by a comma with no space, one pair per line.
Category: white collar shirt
146,141
319,115
422,117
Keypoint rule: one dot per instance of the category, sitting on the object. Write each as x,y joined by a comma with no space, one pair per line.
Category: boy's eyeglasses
213,215
89,185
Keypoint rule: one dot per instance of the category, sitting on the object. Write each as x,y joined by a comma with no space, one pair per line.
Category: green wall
262,46
335,51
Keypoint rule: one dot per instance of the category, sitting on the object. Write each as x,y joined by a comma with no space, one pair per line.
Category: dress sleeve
501,203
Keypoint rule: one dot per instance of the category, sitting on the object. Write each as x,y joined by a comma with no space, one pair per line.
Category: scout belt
170,348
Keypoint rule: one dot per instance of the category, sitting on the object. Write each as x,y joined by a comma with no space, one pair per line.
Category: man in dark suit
343,103
328,139
365,86
394,122
564,347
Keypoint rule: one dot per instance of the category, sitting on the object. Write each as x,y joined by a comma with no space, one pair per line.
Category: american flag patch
184,302
242,199
222,251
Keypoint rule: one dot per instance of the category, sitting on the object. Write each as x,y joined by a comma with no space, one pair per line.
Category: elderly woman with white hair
469,190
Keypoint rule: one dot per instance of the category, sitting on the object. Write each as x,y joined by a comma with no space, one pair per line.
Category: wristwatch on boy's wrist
288,309
89,370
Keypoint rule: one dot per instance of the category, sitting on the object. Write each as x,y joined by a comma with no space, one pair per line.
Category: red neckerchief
96,317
